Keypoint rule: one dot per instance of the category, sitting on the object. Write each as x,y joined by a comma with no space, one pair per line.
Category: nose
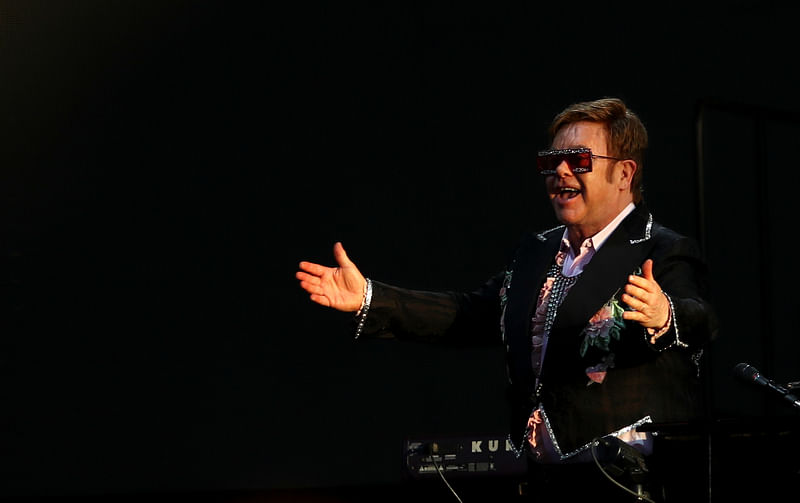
563,169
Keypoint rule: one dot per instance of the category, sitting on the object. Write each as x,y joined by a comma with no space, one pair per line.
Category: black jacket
658,383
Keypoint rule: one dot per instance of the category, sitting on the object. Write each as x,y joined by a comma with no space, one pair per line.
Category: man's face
587,202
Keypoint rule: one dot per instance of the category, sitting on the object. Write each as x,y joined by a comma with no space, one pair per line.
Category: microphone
748,373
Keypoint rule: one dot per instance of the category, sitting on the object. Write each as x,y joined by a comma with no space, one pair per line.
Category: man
603,318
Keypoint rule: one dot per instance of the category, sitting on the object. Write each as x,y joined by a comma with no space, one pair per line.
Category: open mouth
567,193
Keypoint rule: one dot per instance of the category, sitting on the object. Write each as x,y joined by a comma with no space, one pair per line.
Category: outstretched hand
340,287
643,294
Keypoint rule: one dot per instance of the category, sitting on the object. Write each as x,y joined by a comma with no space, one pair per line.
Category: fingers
640,308
318,270
307,278
633,302
312,268
644,296
321,299
648,315
640,298
310,284
640,284
637,291
313,285
640,294
311,281
634,316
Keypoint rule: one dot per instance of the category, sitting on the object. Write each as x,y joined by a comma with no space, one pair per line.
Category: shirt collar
598,239
572,264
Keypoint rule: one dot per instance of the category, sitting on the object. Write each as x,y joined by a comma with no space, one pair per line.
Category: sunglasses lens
578,162
546,164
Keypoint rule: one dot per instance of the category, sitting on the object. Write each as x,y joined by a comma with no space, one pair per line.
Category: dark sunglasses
579,160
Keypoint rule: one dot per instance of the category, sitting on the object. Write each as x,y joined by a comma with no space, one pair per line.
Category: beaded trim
541,235
647,230
696,357
362,315
503,294
561,286
519,451
678,340
644,420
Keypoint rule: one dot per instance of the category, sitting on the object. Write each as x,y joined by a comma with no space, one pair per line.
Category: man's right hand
340,287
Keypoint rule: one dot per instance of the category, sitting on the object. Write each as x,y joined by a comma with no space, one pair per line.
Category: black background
165,166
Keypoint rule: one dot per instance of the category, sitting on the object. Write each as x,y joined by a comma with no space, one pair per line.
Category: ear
625,174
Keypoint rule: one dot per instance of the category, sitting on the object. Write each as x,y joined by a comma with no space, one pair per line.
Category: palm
340,287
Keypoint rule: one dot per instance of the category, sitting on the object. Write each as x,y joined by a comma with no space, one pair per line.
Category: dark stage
165,165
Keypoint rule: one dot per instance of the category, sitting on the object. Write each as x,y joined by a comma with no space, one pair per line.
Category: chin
567,217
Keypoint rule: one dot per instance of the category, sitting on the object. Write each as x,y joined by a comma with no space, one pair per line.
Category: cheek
597,186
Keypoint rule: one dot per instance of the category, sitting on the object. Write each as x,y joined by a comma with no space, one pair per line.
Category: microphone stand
790,396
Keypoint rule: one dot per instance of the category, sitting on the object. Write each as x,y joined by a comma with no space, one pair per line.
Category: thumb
340,255
647,269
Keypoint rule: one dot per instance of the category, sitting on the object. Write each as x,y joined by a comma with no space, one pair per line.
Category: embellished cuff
361,314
